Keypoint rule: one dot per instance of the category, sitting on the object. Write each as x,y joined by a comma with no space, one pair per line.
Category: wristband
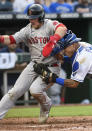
1,39
60,81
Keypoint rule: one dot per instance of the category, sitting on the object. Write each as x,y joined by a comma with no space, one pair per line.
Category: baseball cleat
44,114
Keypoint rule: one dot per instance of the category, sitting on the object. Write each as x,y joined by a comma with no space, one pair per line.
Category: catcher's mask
36,11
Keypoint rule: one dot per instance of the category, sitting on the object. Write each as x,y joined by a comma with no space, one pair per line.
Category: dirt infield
54,124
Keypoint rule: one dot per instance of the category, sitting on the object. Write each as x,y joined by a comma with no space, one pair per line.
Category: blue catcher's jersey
67,40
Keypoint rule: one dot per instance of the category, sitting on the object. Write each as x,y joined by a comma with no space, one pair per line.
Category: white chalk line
52,126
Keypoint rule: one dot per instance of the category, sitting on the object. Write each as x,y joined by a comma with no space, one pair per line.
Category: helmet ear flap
41,18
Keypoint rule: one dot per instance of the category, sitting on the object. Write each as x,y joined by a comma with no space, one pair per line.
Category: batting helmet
36,11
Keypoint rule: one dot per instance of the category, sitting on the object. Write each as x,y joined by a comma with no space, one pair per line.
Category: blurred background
75,14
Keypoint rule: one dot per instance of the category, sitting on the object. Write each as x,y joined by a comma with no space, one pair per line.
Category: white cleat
44,114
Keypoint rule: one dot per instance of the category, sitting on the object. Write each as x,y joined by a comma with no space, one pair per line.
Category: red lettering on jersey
29,40
40,39
35,40
44,40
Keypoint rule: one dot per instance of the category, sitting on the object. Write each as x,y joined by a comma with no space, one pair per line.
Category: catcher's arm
49,77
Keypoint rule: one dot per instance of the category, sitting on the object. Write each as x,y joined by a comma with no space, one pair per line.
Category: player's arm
67,82
50,77
60,32
7,39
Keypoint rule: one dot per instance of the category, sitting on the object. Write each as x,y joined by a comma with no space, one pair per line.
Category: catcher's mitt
46,74
49,77
40,68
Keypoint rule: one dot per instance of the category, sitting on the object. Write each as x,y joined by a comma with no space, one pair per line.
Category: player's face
35,23
60,57
69,51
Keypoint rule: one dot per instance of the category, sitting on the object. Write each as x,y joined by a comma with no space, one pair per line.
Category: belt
52,65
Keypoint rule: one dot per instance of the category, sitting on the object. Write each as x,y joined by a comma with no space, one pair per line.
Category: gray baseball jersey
36,39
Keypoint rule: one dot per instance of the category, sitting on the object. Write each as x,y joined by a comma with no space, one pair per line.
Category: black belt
52,65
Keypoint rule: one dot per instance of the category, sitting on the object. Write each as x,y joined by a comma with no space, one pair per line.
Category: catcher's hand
40,68
49,77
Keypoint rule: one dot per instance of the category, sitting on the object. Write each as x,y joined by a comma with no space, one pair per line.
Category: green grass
55,111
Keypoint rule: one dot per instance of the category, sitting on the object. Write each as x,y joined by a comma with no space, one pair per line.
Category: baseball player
36,34
79,53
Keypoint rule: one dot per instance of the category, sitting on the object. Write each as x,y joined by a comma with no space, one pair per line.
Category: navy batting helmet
36,11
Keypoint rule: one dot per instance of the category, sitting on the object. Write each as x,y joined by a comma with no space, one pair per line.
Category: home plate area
82,123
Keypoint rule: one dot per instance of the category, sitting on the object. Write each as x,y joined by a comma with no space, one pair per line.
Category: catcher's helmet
69,39
36,11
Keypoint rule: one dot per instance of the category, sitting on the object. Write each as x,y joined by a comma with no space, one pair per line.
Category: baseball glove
40,68
49,77
46,74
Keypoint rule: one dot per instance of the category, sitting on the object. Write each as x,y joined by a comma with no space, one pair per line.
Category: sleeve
21,36
80,68
54,24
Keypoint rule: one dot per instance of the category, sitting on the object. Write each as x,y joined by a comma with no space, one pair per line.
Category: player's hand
49,77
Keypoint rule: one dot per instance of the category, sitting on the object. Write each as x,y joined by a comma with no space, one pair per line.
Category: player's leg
37,89
21,86
55,90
